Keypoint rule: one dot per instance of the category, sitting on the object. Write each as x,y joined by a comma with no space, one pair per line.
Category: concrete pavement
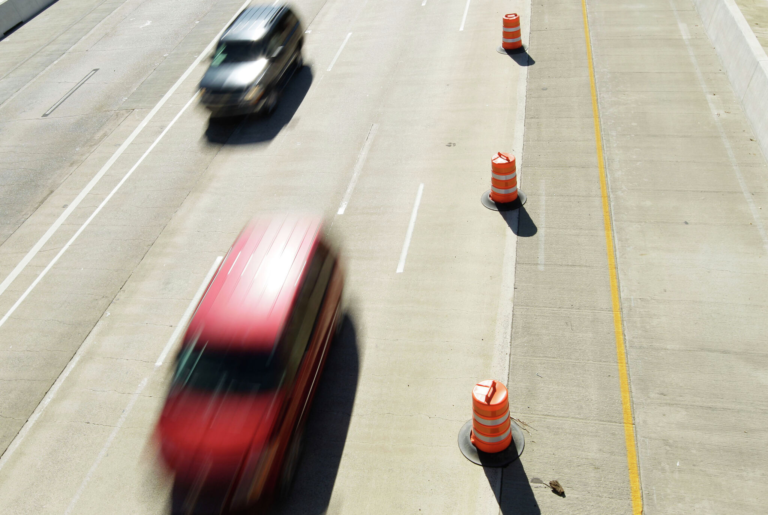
414,343
686,196
81,387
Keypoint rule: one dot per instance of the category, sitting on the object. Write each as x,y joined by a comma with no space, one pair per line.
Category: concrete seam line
92,183
189,312
70,93
618,324
107,445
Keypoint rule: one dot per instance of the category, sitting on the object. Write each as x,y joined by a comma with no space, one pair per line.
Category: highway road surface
625,305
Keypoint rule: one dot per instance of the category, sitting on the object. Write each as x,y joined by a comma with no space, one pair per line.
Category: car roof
250,298
252,24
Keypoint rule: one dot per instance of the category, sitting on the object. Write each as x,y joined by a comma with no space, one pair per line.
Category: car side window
275,42
308,302
290,25
321,285
284,30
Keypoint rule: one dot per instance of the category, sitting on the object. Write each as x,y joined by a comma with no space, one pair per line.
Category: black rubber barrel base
504,51
507,206
496,459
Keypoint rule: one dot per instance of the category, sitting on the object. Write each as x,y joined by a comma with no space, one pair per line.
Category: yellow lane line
626,399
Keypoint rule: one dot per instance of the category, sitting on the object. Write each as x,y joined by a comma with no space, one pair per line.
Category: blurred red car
248,367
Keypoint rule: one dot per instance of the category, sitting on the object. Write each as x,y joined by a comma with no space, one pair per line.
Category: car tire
290,464
271,104
298,61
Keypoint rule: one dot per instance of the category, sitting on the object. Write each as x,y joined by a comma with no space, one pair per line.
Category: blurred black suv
255,57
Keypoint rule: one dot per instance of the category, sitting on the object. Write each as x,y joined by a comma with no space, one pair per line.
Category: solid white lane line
339,52
404,253
424,3
358,168
107,445
93,215
189,312
542,222
76,202
464,19
70,92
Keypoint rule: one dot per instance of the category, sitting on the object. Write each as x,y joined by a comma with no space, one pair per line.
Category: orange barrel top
490,399
511,20
503,163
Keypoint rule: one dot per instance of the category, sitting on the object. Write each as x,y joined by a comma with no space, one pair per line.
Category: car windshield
201,368
237,52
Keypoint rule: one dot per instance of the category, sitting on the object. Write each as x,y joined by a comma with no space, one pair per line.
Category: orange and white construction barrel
511,38
511,35
491,430
491,438
504,193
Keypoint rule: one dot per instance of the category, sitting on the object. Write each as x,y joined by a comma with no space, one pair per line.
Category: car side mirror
277,52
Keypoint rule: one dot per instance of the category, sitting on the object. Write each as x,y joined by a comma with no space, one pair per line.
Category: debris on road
522,424
557,487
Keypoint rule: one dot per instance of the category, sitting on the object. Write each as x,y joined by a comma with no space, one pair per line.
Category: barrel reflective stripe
513,40
513,29
510,190
491,422
504,177
492,439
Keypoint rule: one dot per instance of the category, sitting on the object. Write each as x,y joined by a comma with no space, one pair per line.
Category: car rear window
238,52
214,370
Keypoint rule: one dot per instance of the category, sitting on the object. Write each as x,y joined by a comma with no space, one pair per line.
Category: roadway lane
383,435
125,42
687,187
689,184
415,106
69,147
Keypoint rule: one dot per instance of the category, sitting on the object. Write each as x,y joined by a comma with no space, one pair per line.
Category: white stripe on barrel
503,192
491,422
492,439
504,177
513,40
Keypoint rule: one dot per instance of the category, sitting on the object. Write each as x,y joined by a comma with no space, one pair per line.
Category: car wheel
298,61
271,104
291,464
